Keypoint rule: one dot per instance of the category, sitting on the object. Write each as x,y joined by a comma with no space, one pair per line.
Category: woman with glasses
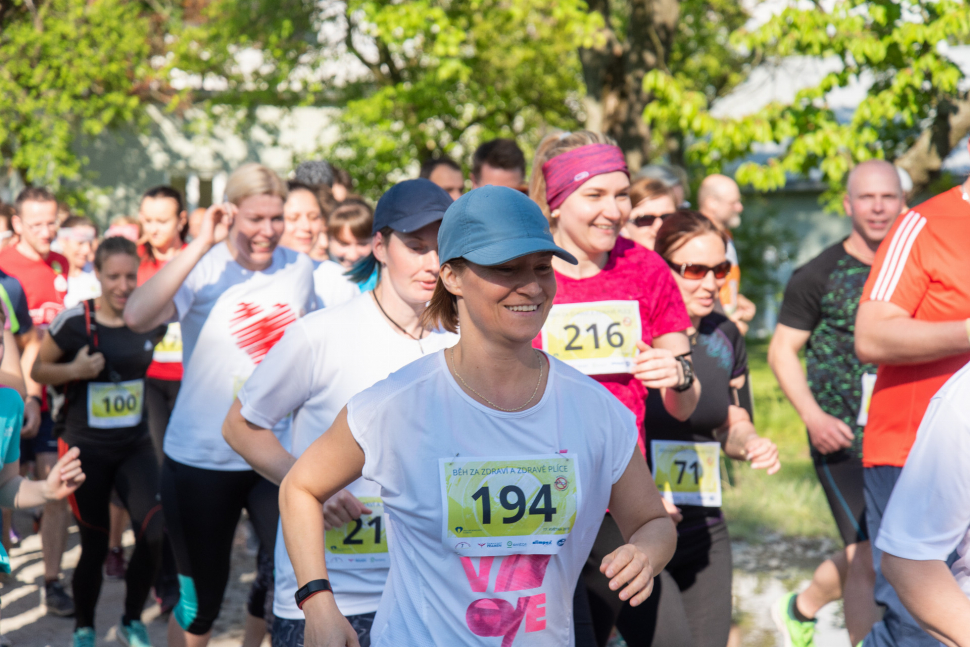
694,602
652,204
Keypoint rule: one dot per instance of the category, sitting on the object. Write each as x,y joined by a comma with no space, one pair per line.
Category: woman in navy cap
320,363
494,461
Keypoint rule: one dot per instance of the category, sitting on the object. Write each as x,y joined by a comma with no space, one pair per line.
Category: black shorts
43,443
844,488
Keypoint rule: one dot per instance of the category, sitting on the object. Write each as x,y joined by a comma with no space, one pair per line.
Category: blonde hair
442,310
254,179
551,146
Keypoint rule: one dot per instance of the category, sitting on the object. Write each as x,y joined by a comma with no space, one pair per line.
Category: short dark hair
342,177
293,185
430,165
498,153
353,213
111,246
33,194
6,213
166,191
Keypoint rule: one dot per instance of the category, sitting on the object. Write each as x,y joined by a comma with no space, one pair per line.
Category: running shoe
114,564
133,634
795,633
84,637
58,602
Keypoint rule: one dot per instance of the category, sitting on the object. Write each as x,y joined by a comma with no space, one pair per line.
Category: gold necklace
490,403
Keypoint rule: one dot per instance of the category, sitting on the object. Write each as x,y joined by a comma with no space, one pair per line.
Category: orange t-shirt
923,266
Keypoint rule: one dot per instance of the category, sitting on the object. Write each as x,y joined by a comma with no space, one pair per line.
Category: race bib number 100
596,338
508,506
112,406
687,473
362,543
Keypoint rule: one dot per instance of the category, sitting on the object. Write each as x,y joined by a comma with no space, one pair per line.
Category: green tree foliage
914,111
68,68
441,77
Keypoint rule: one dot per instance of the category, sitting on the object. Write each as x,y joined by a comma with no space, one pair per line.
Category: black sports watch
688,374
310,589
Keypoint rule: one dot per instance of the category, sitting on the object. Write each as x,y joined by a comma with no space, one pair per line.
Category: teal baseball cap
493,225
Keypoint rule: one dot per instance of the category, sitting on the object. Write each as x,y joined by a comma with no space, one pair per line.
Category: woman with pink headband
618,315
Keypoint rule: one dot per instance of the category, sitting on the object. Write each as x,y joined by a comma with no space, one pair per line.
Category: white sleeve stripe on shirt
895,261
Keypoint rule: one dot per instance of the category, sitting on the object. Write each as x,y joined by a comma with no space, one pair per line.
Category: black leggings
132,471
690,605
159,401
202,508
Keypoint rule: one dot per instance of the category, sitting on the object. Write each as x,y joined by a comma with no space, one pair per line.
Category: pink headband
124,230
565,173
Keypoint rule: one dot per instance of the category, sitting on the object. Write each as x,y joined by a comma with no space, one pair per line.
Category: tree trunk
924,159
614,74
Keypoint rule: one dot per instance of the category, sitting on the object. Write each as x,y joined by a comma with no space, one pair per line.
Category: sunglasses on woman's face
647,221
696,272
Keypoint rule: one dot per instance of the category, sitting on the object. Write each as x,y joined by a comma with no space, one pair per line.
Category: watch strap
310,589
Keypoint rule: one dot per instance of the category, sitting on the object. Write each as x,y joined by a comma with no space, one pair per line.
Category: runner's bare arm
152,305
29,344
662,371
740,440
929,592
260,447
828,433
47,370
638,509
11,374
332,462
64,478
886,334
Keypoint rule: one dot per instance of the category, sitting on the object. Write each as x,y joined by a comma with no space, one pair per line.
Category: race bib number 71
597,338
687,473
508,506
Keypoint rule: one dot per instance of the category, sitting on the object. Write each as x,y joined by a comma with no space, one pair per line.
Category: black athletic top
116,415
822,297
719,355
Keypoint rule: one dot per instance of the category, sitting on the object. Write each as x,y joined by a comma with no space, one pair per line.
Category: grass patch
791,502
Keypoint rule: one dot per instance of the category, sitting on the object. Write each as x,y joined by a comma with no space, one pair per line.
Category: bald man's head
873,198
719,198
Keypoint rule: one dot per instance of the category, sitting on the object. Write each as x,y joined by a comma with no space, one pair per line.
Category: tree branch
374,68
924,159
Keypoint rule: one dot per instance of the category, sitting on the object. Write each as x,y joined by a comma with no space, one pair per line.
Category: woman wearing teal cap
495,461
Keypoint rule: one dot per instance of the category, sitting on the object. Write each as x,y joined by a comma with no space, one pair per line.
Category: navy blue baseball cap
493,225
410,205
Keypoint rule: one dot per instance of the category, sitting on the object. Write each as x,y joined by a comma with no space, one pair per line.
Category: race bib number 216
597,338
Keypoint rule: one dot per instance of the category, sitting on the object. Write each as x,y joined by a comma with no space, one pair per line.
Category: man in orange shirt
43,275
912,322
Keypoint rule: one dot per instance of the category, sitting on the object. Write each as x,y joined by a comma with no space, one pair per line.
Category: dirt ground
25,623
762,574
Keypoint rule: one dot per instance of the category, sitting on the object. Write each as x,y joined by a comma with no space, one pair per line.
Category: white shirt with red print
230,318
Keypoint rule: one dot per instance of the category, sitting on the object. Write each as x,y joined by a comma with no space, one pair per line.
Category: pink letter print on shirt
496,617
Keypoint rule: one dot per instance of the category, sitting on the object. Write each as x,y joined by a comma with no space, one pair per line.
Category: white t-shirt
331,286
322,361
82,287
928,515
408,426
230,318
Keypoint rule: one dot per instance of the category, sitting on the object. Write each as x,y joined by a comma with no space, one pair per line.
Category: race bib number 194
508,506
597,338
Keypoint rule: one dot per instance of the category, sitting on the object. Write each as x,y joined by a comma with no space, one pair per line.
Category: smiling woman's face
509,301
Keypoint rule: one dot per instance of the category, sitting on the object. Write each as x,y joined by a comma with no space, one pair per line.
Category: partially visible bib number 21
114,405
362,543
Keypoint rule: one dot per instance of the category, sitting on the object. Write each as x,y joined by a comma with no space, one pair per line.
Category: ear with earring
554,214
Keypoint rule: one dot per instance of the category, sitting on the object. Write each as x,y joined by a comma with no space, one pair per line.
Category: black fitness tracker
688,374
310,589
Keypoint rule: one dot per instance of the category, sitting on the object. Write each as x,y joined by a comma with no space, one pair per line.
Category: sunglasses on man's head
647,221
695,271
